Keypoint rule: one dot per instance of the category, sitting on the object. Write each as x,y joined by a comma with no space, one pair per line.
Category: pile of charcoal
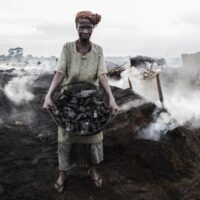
81,109
141,60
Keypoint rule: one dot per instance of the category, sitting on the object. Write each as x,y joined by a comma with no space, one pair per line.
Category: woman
80,60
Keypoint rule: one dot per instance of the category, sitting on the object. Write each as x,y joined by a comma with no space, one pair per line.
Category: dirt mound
133,168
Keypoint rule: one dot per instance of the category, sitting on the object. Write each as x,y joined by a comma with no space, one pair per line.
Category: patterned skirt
79,155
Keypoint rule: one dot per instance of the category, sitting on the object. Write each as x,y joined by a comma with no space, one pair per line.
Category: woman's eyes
85,27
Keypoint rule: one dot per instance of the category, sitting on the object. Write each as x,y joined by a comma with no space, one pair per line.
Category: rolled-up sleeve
101,64
62,61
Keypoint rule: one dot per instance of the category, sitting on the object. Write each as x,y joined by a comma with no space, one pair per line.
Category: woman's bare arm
103,79
57,80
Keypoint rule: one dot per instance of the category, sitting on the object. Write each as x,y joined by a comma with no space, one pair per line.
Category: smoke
161,124
181,93
20,79
18,91
131,104
184,106
180,90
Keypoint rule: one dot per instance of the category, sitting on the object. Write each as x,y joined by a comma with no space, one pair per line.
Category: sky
159,28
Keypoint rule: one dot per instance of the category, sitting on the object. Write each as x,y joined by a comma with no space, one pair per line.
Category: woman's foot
95,177
60,183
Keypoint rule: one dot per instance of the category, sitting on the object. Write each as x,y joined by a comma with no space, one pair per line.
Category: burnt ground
133,168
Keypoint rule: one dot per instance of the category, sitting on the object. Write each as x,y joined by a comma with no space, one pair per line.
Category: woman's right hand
57,80
47,103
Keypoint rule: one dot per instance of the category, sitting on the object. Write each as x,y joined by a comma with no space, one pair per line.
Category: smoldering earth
181,97
150,152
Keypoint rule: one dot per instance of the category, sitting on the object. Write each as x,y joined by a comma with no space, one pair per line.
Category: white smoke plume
161,124
184,107
131,104
18,90
181,99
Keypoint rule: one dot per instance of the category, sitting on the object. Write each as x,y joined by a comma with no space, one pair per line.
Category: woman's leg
96,156
61,177
59,185
92,172
63,160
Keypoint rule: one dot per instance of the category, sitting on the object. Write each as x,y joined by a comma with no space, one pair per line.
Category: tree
15,52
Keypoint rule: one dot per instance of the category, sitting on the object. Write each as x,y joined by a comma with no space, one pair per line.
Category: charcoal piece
101,115
76,126
71,114
98,125
95,115
74,100
70,105
92,127
81,115
86,126
87,114
68,129
85,93
104,109
72,128
81,109
84,116
103,120
97,102
66,109
88,108
82,132
81,101
67,125
87,101
82,126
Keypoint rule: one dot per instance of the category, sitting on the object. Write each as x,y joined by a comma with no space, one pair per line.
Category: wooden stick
160,90
130,84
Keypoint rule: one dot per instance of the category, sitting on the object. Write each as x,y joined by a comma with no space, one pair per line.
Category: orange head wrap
95,18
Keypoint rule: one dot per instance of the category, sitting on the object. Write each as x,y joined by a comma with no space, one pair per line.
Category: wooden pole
160,90
130,84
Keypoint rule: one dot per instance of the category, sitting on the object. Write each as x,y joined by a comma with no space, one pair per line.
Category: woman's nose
85,30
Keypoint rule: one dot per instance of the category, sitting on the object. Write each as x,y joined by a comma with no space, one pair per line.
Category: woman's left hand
113,106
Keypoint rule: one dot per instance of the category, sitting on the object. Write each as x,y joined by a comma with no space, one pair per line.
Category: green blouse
78,67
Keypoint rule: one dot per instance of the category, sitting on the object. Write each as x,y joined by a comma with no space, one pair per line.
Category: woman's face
85,29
